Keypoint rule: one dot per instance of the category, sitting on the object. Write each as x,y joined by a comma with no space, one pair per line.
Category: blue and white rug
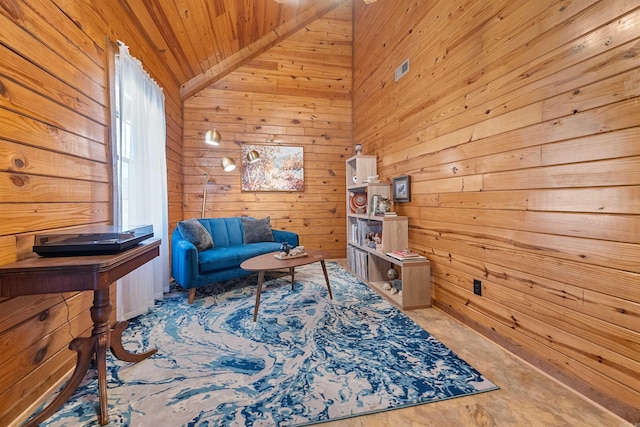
306,360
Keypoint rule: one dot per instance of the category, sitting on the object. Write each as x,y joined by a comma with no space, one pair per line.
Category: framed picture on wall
279,168
401,189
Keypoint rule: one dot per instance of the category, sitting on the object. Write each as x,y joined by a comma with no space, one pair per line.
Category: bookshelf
371,236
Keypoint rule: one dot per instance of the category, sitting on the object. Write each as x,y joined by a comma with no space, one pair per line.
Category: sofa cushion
193,231
223,258
225,232
257,230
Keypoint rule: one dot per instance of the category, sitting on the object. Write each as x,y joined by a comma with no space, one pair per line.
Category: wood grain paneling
54,172
299,92
518,123
238,50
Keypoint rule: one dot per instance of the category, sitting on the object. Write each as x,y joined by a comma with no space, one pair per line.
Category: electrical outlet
477,287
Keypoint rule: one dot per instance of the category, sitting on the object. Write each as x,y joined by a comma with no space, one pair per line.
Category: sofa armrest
184,262
290,237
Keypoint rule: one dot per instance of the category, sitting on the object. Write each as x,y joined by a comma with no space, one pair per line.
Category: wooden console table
95,273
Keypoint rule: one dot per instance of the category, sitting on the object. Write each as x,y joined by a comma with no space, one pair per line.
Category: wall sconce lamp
212,137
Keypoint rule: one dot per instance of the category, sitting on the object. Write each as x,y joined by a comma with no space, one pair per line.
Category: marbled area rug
307,359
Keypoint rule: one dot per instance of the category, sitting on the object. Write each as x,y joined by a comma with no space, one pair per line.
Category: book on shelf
357,262
406,256
405,253
384,215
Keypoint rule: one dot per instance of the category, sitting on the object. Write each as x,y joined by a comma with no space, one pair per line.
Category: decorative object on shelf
379,204
281,168
373,239
358,203
358,148
401,189
373,203
373,179
355,178
394,285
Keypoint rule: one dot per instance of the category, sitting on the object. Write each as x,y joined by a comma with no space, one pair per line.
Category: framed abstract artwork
280,168
401,189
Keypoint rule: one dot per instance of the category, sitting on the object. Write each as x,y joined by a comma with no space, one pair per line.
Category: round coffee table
266,262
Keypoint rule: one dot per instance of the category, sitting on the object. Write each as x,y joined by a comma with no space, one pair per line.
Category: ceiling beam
247,53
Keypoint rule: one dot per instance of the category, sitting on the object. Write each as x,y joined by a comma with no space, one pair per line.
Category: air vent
402,69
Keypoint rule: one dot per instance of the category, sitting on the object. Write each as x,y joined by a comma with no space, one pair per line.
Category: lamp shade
253,156
212,137
228,164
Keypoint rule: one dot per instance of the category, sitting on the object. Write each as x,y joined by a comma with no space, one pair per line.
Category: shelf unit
366,258
359,168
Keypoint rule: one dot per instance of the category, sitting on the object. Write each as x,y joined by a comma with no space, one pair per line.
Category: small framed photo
401,189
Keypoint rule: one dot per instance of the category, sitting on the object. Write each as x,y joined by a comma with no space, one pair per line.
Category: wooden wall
519,125
300,92
54,169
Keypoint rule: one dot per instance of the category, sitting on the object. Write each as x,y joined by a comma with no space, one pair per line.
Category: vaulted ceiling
208,39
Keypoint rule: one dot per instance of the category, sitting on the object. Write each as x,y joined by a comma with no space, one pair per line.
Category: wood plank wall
299,92
518,123
54,169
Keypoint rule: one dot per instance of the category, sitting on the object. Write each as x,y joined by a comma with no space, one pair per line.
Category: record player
95,240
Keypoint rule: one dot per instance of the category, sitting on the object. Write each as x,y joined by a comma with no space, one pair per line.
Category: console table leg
118,349
85,348
100,313
101,366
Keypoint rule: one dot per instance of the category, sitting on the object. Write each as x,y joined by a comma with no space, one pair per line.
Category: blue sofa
192,269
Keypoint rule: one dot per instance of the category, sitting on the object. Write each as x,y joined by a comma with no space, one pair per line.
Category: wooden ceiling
208,39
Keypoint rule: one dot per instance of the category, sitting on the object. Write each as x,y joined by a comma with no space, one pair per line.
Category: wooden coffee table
268,262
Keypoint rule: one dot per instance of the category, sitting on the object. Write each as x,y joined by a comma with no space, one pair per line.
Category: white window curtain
140,178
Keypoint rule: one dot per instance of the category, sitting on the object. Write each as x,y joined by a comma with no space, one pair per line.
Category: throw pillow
193,231
257,230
